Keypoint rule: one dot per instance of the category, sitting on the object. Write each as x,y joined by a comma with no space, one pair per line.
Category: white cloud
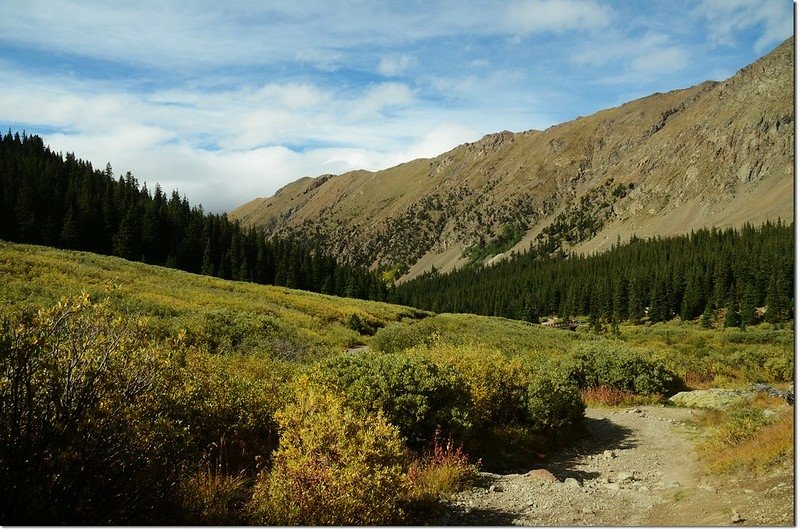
557,16
379,97
725,18
395,65
666,60
188,38
632,60
617,47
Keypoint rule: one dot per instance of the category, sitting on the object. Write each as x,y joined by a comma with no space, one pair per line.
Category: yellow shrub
332,467
497,384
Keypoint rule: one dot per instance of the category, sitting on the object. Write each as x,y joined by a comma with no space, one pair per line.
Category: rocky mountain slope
716,154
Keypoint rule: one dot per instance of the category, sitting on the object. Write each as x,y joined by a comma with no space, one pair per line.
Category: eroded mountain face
716,154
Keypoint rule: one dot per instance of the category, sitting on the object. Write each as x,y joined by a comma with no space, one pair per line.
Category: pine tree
615,325
127,240
707,320
70,234
208,263
749,305
732,317
636,300
776,301
659,302
529,313
620,307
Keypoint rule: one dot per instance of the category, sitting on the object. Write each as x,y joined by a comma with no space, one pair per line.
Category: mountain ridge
717,153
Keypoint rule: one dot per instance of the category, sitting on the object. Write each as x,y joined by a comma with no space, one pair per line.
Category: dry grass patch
603,396
748,437
446,471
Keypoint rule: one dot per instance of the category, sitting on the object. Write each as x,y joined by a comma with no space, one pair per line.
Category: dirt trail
636,467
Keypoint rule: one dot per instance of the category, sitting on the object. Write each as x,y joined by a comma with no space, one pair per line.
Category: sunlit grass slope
233,314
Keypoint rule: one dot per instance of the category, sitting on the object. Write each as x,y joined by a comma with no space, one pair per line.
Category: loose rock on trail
636,467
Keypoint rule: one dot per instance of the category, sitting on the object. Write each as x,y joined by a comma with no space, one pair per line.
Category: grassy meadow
205,307
139,394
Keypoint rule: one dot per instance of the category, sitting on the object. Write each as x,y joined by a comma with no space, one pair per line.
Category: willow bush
334,465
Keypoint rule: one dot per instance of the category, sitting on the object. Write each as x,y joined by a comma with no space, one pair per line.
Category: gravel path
636,467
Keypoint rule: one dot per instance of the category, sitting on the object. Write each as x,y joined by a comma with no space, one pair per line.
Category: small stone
644,488
529,503
769,413
736,518
625,476
674,484
569,481
707,487
748,491
542,475
612,486
494,489
608,454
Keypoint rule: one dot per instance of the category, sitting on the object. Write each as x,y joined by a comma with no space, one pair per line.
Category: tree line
691,276
61,201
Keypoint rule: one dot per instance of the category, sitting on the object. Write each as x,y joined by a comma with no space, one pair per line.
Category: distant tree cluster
63,202
690,276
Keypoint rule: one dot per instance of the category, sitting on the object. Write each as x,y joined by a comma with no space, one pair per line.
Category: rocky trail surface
636,467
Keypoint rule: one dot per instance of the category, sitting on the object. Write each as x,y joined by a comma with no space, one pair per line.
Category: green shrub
85,434
334,466
553,403
227,331
736,425
620,368
780,368
397,337
415,394
226,405
361,325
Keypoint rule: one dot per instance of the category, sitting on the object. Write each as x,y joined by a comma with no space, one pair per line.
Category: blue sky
227,101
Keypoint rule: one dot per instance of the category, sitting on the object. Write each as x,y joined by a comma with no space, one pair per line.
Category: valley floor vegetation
133,394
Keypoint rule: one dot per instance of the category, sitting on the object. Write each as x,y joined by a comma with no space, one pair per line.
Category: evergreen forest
61,201
690,276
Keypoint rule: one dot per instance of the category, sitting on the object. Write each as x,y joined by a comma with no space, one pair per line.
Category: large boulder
713,398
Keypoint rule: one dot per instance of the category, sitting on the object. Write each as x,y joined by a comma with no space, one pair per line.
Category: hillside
235,316
716,154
